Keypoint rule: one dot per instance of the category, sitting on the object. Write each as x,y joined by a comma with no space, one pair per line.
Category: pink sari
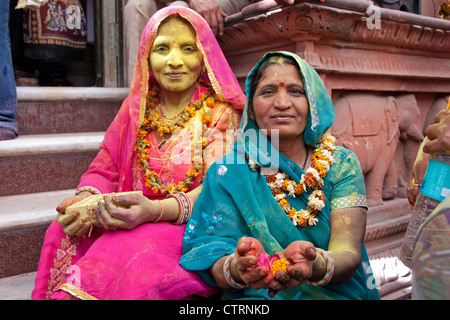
142,263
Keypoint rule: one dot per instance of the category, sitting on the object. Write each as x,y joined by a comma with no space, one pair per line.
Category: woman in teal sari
272,221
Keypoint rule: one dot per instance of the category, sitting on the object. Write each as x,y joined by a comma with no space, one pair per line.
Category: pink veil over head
219,73
121,136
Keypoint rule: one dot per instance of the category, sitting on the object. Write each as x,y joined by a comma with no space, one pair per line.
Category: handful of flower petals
274,263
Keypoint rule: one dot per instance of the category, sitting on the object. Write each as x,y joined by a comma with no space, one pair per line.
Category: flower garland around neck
153,122
321,161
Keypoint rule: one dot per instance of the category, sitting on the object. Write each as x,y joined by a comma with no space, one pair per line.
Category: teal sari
236,201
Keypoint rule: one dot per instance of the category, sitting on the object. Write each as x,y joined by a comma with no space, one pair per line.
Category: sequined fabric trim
61,263
76,292
355,200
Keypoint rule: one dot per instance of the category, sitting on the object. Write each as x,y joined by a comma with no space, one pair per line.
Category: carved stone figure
371,126
438,104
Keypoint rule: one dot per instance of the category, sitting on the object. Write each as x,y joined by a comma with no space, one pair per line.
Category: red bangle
185,203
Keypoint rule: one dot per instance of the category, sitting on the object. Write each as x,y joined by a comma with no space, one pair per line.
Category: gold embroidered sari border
76,292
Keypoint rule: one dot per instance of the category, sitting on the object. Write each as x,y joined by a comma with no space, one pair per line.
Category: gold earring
203,71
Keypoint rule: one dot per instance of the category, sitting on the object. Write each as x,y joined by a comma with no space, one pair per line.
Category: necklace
152,121
279,184
164,115
306,158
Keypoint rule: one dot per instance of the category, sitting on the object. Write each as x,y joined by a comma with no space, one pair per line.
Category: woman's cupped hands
125,211
244,267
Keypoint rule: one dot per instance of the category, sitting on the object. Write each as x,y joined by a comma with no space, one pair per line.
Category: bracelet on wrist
161,212
227,274
329,272
88,189
185,204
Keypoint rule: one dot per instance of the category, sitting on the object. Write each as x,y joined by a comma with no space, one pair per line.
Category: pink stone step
17,287
40,163
45,110
23,222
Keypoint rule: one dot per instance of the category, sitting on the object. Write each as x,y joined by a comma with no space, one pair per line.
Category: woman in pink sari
183,99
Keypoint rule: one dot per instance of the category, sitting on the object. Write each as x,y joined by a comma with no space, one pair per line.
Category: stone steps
23,222
40,163
31,145
60,130
385,230
30,210
17,287
49,110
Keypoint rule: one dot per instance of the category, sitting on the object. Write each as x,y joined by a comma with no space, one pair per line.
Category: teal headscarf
317,124
236,201
316,94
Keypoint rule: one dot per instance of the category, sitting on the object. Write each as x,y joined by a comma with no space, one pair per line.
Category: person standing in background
46,36
8,96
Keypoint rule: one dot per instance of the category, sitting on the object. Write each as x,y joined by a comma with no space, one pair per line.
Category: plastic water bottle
435,188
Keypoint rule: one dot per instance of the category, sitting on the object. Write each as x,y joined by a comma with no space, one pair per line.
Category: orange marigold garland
322,159
153,122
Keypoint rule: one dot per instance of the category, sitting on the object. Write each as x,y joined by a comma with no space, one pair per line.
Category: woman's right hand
242,266
73,223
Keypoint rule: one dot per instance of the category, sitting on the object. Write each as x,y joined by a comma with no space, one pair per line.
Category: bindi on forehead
281,84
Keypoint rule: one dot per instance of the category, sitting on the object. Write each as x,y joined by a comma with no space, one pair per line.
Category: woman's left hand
301,255
126,211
